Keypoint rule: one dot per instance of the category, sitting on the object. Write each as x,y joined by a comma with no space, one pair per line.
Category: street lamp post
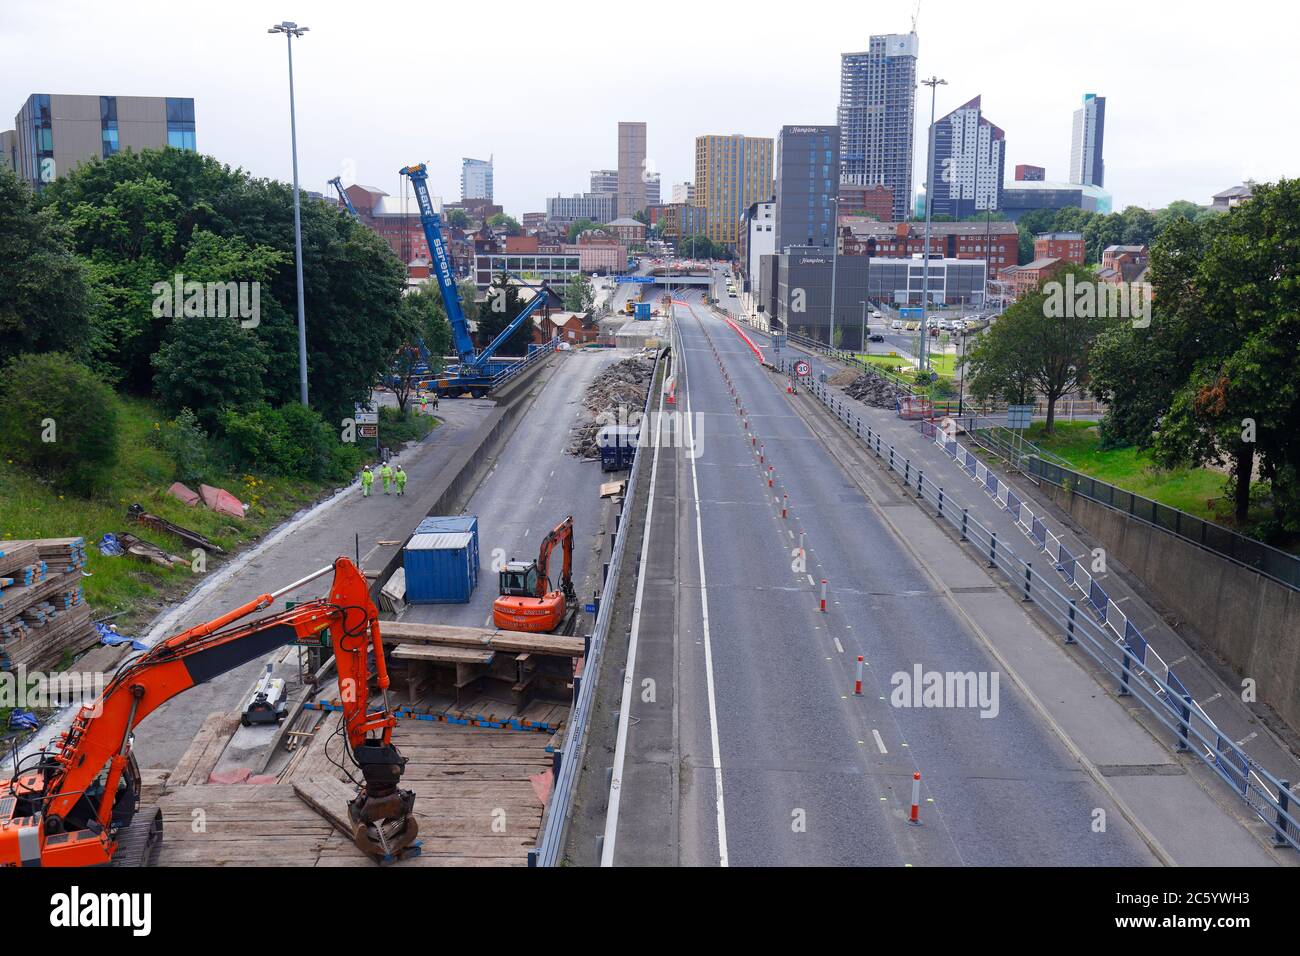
291,30
933,83
862,341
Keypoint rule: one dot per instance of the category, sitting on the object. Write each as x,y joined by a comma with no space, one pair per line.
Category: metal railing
1097,626
550,841
1269,561
536,355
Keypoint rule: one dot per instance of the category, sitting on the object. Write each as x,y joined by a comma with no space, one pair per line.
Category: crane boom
337,183
442,269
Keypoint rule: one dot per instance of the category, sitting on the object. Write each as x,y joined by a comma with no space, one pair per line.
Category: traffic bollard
785,506
857,685
915,819
823,595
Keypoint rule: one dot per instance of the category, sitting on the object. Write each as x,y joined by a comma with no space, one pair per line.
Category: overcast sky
1200,94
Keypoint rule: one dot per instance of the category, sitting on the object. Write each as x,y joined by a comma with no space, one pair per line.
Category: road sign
802,369
589,608
1018,416
365,413
368,431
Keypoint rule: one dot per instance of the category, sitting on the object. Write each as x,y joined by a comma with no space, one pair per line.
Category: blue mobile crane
337,183
477,371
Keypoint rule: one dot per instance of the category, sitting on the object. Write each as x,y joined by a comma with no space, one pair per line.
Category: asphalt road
531,488
762,680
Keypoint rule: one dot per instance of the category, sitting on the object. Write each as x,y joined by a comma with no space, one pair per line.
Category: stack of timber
465,662
43,610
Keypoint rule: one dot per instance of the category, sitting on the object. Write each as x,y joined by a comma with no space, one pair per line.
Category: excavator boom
71,804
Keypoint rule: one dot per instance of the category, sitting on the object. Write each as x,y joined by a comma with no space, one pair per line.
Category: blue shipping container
439,569
453,523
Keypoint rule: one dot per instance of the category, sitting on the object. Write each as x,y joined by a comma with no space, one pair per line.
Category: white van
896,325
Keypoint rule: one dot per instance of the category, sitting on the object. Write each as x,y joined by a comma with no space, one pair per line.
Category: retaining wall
1250,621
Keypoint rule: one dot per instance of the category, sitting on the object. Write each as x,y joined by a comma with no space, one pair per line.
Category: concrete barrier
1250,621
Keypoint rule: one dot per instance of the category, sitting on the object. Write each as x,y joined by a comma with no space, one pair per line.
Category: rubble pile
875,391
615,396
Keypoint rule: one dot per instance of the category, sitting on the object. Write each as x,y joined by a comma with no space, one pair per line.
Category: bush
293,441
59,420
396,428
186,444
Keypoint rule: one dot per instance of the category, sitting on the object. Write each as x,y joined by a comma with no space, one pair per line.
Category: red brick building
396,224
1060,245
1030,174
996,243
1029,277
873,202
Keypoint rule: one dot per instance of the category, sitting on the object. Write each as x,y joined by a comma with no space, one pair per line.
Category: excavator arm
562,535
74,807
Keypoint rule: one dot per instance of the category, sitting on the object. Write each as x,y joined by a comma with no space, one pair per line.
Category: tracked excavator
526,601
77,801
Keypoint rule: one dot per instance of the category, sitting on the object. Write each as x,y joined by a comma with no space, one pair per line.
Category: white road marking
811,581
708,646
625,707
1248,738
879,741
838,646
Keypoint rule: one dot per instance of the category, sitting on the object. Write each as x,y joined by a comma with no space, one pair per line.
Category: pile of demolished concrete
615,397
874,390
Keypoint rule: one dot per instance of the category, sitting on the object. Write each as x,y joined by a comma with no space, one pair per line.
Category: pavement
754,750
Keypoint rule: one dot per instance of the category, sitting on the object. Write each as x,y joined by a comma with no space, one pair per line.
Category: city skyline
353,123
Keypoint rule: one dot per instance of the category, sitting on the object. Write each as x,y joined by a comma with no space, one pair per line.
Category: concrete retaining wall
1250,621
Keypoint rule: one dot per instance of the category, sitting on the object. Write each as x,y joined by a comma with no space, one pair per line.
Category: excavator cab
519,579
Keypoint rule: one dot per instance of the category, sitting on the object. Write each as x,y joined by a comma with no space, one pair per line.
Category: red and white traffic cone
915,819
823,595
857,685
769,476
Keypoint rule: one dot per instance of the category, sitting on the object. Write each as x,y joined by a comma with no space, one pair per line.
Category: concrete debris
874,391
615,396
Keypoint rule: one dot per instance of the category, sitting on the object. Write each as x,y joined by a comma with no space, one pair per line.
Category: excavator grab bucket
382,815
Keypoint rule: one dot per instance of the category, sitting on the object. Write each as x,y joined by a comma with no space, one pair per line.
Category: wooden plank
443,655
400,632
329,797
201,757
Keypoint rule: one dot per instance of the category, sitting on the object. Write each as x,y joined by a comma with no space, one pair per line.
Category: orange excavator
527,602
78,803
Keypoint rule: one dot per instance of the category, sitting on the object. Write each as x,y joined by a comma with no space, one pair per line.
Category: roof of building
869,228
1036,266
1234,192
1046,185
1060,236
625,221
1118,249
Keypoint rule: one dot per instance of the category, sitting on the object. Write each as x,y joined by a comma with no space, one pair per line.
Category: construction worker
400,477
424,402
367,479
386,474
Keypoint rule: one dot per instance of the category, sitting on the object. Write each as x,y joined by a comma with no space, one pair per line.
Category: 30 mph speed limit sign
802,369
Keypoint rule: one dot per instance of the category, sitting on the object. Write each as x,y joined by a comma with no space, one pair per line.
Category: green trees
508,223
1134,226
579,295
578,228
46,300
1041,343
59,420
458,218
134,220
500,308
1213,379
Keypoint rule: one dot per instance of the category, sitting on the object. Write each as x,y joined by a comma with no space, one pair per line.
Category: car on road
896,325
875,337
876,315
